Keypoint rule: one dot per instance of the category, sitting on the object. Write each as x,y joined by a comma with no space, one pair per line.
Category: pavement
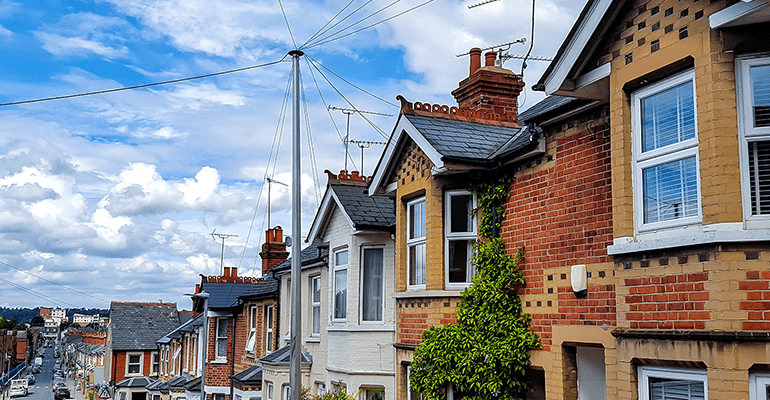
75,394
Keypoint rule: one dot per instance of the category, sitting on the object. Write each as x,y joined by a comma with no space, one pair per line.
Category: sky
113,197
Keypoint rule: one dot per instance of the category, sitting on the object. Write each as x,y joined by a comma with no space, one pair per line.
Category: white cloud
75,46
4,31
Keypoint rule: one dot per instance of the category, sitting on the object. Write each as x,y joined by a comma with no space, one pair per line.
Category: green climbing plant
485,354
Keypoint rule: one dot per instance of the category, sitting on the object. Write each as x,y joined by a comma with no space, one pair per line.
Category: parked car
57,385
31,379
61,393
17,391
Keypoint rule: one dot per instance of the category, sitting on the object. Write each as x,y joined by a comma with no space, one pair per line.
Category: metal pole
347,142
295,372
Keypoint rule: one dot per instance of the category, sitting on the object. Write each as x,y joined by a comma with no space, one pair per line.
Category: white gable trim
575,46
403,126
324,214
742,13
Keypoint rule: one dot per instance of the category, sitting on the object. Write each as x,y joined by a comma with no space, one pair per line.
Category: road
41,389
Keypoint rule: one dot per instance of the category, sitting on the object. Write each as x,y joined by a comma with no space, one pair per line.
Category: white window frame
747,132
340,268
155,367
758,383
129,364
269,390
645,373
414,242
315,283
663,155
252,339
217,338
362,258
286,392
459,236
367,390
409,384
269,334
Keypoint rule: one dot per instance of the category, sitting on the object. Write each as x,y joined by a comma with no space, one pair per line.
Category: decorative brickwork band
459,114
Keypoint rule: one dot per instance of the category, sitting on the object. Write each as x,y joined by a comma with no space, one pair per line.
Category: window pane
675,389
222,347
134,359
317,319
670,191
417,220
460,208
222,327
269,316
342,258
459,261
417,264
760,87
668,117
316,289
372,291
759,177
340,293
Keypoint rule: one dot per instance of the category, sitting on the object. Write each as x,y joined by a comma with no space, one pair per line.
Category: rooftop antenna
222,236
269,181
364,144
481,3
349,112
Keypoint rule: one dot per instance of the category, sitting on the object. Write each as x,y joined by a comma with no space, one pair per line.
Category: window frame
662,155
129,364
315,283
414,242
459,236
746,132
217,338
340,268
269,311
155,366
361,285
758,381
686,374
269,390
251,341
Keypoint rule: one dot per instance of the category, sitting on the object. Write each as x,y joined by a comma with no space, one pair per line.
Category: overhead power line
146,85
55,283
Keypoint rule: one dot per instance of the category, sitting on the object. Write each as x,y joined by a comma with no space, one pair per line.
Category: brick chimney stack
488,88
273,250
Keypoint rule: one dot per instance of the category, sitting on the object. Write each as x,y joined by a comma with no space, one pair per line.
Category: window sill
686,236
312,339
361,328
427,293
218,361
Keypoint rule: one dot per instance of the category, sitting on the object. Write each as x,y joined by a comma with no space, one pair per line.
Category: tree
485,354
37,321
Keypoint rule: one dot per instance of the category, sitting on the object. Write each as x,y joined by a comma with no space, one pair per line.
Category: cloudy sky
113,197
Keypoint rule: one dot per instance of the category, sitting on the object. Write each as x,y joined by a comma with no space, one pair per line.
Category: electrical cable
36,294
370,122
146,85
326,105
286,19
319,32
353,85
359,21
372,25
311,148
54,283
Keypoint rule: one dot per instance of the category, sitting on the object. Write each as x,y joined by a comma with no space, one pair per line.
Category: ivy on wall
485,354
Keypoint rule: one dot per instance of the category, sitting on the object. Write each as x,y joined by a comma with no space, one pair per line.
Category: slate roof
135,382
308,256
225,294
137,326
251,375
365,211
283,355
266,288
177,382
187,326
461,139
194,385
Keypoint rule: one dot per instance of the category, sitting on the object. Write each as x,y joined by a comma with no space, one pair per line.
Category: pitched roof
194,385
225,294
283,355
447,141
251,375
363,212
309,256
268,287
137,326
138,381
187,326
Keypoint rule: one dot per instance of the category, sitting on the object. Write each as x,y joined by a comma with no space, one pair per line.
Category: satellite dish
288,241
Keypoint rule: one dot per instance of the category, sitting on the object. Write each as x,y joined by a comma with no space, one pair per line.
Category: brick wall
560,211
414,316
667,302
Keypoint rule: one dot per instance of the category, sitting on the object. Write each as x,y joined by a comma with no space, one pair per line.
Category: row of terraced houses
641,195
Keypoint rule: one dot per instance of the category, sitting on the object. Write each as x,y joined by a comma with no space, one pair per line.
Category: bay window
659,383
372,284
340,284
753,87
315,285
415,243
460,236
666,172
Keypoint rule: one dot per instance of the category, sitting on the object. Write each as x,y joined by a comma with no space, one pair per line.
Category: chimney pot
234,272
489,59
475,60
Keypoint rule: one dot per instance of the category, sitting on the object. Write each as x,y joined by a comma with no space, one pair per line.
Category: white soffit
741,13
576,45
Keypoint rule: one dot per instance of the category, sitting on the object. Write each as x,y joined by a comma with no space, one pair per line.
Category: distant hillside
25,315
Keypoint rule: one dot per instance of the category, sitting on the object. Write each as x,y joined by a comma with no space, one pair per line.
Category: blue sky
116,195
